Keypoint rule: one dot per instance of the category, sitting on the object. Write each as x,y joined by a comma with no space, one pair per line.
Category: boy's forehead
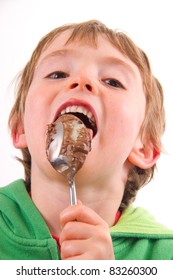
57,43
59,46
60,42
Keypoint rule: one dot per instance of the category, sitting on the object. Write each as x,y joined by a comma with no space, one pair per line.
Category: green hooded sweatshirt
25,235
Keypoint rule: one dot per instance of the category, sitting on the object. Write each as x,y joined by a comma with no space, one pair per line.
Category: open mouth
83,114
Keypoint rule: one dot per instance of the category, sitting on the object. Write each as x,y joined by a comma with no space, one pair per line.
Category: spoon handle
73,199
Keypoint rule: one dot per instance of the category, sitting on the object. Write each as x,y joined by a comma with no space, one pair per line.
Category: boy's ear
144,155
18,136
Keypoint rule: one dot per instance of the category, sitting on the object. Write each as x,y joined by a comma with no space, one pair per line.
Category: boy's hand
84,236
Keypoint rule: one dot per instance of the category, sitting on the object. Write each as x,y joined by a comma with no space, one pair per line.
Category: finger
73,248
85,256
77,230
87,249
80,213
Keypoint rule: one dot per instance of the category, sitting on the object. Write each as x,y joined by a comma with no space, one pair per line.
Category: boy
104,75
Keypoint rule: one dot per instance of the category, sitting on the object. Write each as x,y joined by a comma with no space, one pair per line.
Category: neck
51,198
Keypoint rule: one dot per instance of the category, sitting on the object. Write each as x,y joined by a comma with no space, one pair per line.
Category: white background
148,22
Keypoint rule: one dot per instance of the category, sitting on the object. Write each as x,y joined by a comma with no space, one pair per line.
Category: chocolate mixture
76,142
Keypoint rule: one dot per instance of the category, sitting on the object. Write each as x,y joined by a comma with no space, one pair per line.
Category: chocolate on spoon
68,143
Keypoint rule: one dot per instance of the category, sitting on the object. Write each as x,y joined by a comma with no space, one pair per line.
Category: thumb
79,202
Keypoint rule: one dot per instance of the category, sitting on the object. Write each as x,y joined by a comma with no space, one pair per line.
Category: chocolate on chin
76,143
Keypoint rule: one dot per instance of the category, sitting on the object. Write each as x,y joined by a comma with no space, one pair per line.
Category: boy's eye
114,83
57,75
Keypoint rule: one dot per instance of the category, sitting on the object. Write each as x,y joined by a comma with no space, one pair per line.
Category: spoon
68,143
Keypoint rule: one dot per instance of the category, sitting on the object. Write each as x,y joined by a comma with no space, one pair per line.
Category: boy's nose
83,84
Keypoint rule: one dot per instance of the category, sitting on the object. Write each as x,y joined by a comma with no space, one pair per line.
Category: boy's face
103,81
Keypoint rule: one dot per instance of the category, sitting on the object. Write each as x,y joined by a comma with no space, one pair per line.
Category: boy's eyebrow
117,61
107,59
62,52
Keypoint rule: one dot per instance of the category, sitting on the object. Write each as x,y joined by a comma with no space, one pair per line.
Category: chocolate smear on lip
76,142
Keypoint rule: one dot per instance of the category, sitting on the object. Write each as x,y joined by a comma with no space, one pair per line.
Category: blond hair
154,121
